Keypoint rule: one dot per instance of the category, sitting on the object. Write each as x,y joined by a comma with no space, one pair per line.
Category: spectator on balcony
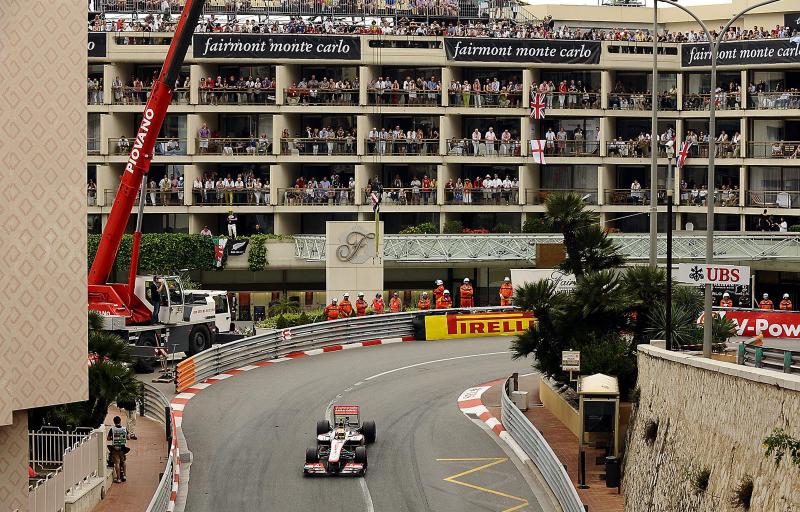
178,189
197,190
563,88
91,193
383,136
116,90
476,141
490,138
209,190
465,93
203,134
636,191
416,186
550,138
123,145
164,186
505,144
508,187
561,138
577,135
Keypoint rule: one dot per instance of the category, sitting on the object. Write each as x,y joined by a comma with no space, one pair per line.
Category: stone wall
710,415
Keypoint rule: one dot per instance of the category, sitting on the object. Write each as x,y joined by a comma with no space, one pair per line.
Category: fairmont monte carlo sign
540,51
738,53
275,46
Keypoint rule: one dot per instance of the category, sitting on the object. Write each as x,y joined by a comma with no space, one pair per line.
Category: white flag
537,151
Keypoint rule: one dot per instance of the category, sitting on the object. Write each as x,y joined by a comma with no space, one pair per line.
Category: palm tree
645,286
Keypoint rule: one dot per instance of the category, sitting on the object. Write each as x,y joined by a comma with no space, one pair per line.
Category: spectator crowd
397,141
412,92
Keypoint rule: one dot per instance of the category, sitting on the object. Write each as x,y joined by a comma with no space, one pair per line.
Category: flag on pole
680,159
537,106
537,151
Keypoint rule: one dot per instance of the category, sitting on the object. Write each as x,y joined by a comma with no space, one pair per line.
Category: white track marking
432,362
367,496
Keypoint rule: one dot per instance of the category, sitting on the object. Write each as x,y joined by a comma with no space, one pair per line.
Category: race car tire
368,429
361,455
312,455
323,427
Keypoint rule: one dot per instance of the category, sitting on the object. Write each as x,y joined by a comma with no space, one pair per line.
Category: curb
179,401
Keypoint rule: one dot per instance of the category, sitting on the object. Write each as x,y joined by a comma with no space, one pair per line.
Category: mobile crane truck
182,326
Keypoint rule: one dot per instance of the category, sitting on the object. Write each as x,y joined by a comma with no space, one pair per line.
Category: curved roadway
248,434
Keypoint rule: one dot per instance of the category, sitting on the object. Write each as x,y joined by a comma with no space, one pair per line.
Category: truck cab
217,299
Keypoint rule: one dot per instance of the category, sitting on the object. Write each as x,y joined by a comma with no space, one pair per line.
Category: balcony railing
773,199
630,149
94,96
776,149
482,196
699,197
305,96
641,101
626,196
165,146
389,97
404,196
153,197
540,196
571,101
486,99
403,146
299,146
483,148
246,196
317,196
572,148
724,101
773,100
244,96
129,95
230,146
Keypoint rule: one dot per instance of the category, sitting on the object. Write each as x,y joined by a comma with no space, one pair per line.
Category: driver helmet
766,295
439,282
466,280
726,295
785,295
447,292
339,434
507,279
346,296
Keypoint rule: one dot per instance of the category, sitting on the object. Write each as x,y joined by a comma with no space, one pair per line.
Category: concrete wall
711,415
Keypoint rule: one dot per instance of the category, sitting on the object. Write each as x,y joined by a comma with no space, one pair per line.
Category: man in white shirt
490,139
476,141
197,190
550,138
507,185
486,185
372,140
505,143
382,136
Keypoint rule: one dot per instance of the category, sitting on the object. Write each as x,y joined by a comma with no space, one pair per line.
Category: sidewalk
145,464
598,497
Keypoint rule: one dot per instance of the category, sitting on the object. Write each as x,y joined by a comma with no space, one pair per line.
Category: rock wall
714,416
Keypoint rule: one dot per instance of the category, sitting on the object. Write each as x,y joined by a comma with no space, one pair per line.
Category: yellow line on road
490,461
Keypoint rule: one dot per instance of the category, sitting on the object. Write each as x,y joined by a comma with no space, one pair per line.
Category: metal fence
47,494
535,446
156,407
786,361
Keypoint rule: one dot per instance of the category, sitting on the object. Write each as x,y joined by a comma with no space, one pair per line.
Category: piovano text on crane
144,129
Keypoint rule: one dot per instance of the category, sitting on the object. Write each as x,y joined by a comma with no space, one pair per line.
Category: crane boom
138,164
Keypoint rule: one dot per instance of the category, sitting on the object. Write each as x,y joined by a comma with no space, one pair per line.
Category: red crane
119,299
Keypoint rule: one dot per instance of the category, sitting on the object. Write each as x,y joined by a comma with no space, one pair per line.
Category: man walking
118,436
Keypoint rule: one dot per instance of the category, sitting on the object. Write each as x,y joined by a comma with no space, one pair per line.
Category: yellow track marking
492,461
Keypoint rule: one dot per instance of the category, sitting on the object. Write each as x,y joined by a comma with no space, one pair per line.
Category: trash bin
612,472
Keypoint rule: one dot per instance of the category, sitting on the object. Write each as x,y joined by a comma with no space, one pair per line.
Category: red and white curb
179,401
471,404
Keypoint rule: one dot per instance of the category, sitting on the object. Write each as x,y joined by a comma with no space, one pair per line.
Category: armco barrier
278,343
535,446
786,361
156,407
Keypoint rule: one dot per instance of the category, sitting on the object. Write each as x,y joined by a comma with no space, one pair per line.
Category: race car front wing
349,469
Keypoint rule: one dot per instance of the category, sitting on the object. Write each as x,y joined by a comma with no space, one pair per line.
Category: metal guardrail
156,407
535,446
786,361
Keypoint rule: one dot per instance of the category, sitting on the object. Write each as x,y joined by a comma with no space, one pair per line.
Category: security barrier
278,343
535,446
156,407
786,361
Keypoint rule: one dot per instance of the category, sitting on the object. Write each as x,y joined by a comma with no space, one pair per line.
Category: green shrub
426,228
535,225
502,228
162,253
795,228
453,226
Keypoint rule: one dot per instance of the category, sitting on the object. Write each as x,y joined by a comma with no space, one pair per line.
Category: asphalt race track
248,434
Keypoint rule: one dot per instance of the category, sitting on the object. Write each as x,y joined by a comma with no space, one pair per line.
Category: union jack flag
680,159
537,106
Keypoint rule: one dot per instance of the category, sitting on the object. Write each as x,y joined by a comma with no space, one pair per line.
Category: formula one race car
341,450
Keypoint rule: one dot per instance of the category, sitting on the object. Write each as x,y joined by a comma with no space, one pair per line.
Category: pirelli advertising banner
539,51
441,327
738,53
275,46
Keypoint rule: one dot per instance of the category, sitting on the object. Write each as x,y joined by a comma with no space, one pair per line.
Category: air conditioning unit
520,399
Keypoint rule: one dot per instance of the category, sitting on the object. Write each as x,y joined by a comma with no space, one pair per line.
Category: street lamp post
714,43
653,260
670,193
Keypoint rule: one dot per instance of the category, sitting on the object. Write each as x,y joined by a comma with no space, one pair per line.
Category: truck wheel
361,455
312,455
146,364
199,340
323,427
368,429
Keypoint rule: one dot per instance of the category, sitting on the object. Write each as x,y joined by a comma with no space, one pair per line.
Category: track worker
118,435
438,291
424,303
361,305
395,306
766,303
377,304
466,295
506,291
345,307
332,310
726,301
786,303
445,301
